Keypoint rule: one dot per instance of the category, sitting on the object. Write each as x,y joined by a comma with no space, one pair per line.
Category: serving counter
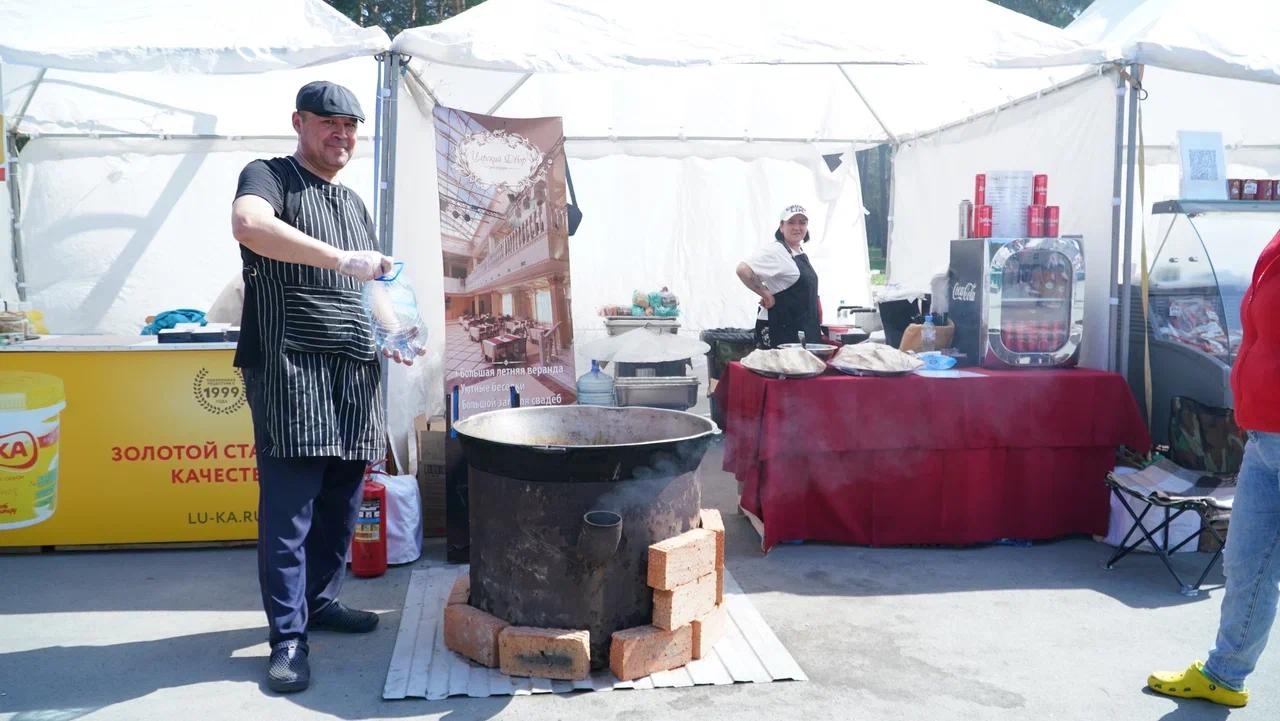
926,460
120,439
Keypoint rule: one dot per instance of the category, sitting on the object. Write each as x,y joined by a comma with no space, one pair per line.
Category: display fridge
1197,275
1017,302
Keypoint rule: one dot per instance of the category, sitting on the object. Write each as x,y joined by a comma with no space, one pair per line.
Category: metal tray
879,374
674,392
616,325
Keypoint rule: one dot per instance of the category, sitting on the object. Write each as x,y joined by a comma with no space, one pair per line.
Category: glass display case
1018,302
1201,265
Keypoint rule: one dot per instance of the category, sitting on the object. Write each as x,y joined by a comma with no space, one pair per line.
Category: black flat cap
325,98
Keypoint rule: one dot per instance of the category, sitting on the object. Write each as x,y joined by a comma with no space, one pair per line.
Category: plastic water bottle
928,335
596,388
392,309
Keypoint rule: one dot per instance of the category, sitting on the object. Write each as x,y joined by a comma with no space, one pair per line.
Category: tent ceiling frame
507,95
893,139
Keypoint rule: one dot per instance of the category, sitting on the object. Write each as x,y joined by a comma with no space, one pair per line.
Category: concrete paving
993,632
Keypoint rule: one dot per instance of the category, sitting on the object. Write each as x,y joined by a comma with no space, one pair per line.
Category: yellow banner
124,447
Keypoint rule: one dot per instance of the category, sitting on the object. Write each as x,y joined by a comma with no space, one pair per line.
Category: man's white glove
363,264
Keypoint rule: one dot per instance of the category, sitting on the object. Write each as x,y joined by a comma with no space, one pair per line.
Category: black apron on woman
794,309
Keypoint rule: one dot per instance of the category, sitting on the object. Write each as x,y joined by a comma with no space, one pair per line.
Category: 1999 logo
219,393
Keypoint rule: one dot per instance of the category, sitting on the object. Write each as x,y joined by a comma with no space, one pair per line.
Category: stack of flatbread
784,361
875,359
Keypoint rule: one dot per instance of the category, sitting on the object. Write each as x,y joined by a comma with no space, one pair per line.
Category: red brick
461,592
682,559
473,633
637,652
712,521
677,607
708,630
545,652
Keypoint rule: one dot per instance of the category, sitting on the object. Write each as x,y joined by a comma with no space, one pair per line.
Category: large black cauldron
564,504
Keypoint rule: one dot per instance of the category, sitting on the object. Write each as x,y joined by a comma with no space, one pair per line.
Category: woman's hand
766,300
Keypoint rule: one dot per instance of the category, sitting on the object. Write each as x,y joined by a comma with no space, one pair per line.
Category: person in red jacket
1251,566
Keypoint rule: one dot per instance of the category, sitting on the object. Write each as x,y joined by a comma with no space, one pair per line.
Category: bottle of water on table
929,335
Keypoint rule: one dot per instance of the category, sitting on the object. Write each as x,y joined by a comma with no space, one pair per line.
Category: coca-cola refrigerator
1017,302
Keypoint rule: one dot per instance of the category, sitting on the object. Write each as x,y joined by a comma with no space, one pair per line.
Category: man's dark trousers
306,514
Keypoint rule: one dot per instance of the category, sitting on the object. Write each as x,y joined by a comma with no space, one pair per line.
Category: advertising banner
505,243
124,447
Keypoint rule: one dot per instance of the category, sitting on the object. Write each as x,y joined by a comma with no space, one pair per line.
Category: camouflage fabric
1204,438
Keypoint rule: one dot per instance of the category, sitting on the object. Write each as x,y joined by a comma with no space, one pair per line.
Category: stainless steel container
618,326
674,392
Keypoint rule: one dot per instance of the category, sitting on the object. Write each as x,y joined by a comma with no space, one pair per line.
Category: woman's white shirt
774,266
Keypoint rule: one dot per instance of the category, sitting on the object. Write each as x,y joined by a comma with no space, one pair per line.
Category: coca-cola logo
964,291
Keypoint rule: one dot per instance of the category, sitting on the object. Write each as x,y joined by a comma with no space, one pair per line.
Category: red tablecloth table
917,460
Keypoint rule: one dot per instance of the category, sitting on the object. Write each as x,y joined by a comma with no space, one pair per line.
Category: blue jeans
1251,564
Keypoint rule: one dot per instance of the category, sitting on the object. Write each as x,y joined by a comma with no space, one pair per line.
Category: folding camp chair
1170,509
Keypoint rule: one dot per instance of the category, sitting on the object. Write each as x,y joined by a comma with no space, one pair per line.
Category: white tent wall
686,222
416,241
1068,134
115,230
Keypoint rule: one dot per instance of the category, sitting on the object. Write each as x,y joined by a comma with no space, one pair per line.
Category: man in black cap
311,372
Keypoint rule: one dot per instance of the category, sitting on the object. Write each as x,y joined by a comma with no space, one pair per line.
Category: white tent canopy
538,36
689,125
229,36
1226,38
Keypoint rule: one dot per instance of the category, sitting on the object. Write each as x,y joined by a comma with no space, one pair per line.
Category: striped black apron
318,386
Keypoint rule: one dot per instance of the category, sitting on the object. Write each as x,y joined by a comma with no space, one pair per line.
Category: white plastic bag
404,518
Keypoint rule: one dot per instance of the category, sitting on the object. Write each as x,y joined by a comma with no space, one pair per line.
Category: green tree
396,15
1054,12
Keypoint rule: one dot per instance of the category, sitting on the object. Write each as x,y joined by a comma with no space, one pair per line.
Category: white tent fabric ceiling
1226,38
537,36
191,36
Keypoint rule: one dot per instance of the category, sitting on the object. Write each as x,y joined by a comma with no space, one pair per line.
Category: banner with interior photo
504,241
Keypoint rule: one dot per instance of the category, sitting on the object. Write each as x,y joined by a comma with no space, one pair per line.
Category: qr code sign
1204,164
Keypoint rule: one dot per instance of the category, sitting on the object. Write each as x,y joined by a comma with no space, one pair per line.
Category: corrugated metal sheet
422,667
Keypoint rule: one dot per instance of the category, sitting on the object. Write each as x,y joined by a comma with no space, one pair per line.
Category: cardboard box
1209,544
913,336
430,434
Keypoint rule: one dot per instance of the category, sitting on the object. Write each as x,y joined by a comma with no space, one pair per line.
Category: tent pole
377,140
1113,301
15,213
888,218
386,181
11,179
1126,273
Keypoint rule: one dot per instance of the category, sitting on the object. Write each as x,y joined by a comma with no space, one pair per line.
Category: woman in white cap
780,273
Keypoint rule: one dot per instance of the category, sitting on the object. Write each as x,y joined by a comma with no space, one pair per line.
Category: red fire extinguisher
369,543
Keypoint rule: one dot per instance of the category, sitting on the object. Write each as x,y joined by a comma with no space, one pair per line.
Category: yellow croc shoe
1193,683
